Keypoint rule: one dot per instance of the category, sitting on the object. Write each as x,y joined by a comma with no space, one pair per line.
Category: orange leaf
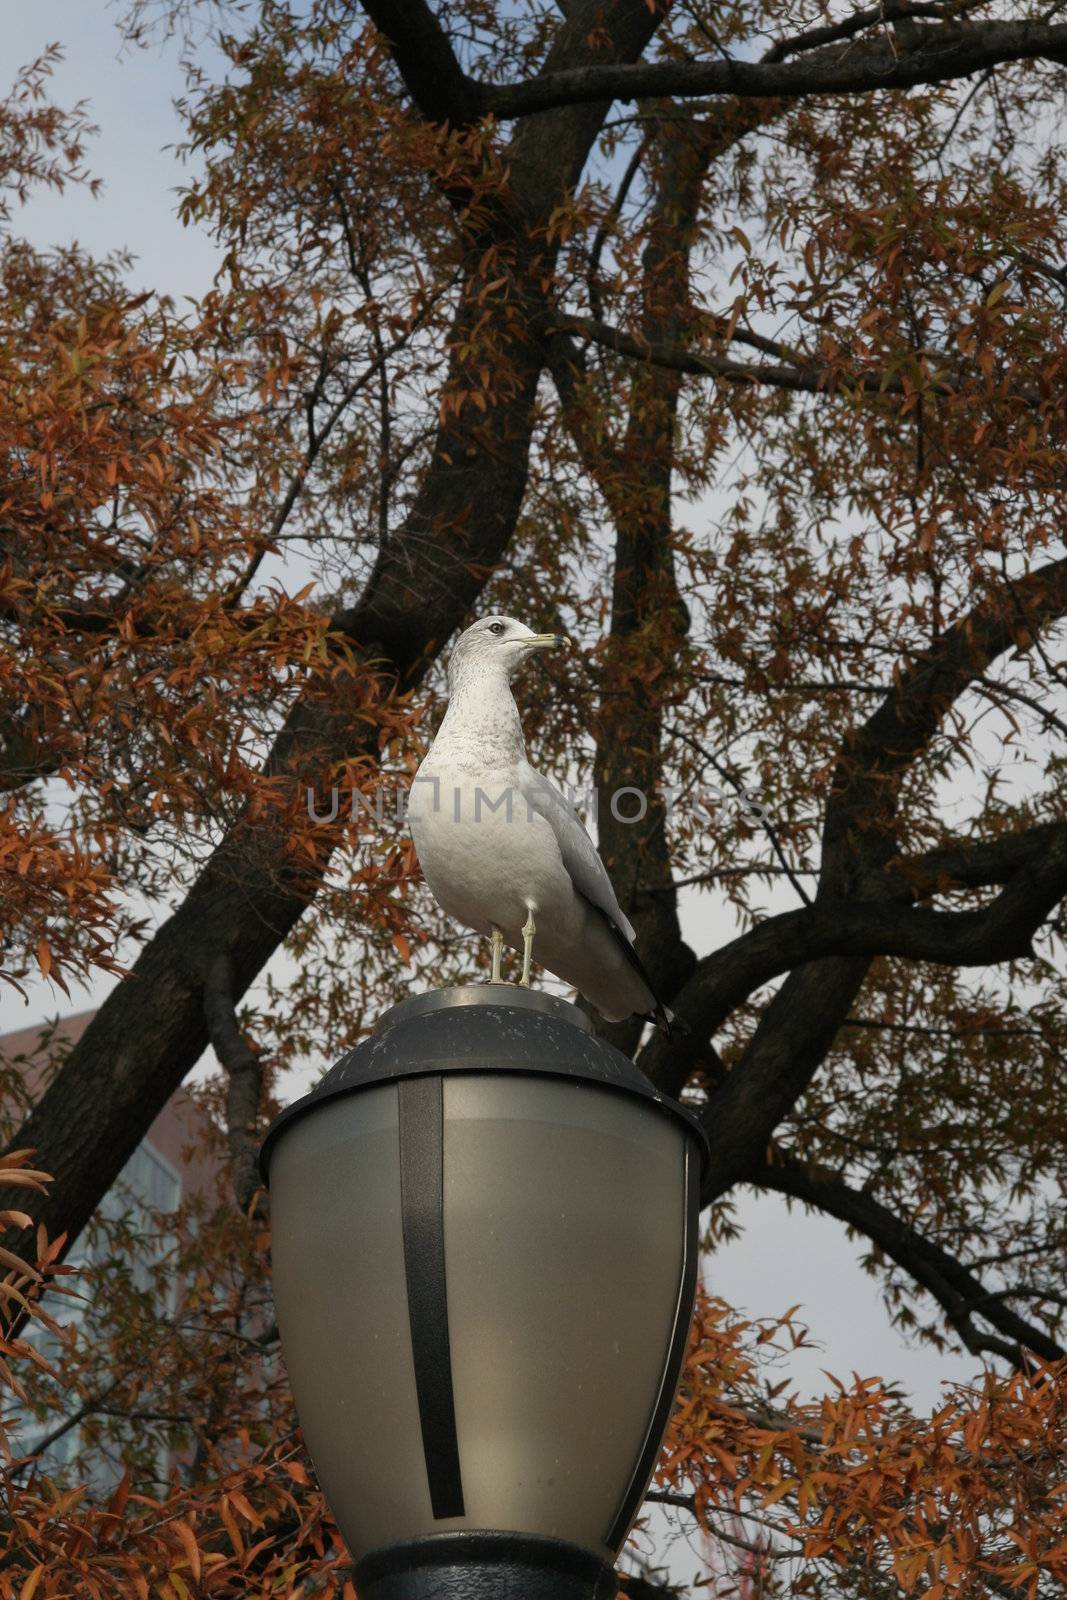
117,1504
29,1588
238,1499
230,1524
189,1545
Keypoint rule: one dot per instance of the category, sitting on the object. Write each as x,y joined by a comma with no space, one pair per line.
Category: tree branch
635,481
244,1072
937,55
1001,931
675,358
426,61
800,1024
978,864
961,1295
88,1409
25,756
635,1587
876,755
857,22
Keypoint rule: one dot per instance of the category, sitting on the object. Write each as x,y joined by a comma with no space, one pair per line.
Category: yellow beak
541,641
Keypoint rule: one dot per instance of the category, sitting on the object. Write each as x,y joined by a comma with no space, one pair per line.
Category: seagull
501,848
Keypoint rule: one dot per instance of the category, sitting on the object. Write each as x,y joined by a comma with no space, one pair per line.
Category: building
171,1164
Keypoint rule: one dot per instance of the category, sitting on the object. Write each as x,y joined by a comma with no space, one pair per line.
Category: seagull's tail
664,1019
671,1027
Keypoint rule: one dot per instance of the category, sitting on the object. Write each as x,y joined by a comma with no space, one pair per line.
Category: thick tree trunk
649,622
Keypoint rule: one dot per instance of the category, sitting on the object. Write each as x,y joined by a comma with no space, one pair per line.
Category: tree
729,340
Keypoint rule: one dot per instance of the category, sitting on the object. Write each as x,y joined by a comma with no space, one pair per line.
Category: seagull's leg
496,976
528,931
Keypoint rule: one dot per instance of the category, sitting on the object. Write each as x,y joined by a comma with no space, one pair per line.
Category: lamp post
484,1252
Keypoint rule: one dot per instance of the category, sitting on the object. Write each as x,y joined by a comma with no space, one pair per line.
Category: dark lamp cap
482,1027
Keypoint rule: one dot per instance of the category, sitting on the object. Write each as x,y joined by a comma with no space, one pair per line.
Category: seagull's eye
496,627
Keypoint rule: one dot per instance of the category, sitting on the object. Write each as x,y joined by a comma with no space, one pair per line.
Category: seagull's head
495,647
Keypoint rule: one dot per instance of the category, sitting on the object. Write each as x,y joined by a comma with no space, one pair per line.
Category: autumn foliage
730,342
856,1484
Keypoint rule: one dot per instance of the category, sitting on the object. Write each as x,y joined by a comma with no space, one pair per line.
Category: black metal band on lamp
422,1209
485,1225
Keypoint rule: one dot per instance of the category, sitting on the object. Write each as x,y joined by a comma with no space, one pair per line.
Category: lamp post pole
484,1251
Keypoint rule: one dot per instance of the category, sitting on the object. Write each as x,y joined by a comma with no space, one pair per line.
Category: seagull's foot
496,976
528,931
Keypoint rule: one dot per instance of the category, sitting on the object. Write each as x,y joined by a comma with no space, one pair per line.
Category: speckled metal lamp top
491,1027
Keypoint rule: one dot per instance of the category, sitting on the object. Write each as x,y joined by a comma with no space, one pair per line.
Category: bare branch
875,756
960,1294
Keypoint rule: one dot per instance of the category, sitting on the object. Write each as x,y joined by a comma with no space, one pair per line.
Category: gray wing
584,866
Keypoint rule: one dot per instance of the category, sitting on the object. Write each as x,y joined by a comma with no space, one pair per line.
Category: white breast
485,855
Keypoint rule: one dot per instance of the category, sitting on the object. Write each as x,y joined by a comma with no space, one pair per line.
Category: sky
130,95
782,1259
